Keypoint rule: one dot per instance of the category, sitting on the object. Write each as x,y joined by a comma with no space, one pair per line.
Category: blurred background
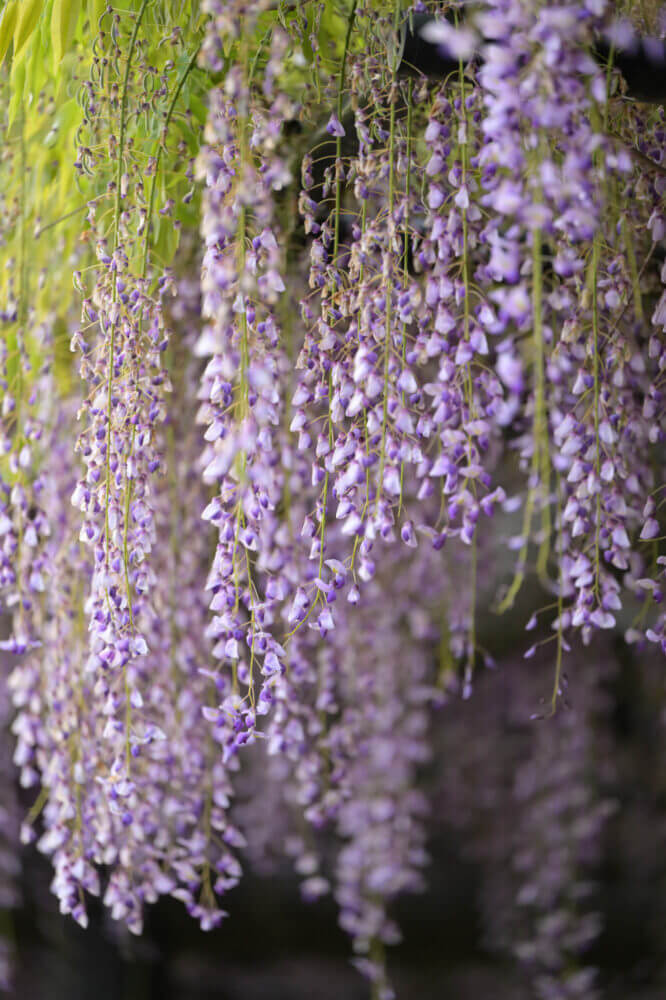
579,799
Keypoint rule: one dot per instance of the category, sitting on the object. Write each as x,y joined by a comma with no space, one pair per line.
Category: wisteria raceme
353,358
540,864
463,398
192,840
653,412
242,403
557,850
120,455
380,819
10,862
24,526
346,737
154,832
125,403
589,377
367,343
536,199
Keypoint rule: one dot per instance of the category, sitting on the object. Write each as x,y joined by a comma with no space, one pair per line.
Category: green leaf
7,25
36,69
166,240
95,11
17,81
63,21
26,22
198,108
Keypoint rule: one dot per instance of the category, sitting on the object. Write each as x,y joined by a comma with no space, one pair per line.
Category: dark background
274,946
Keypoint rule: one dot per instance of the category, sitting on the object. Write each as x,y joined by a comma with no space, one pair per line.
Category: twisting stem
389,291
144,267
597,453
114,292
20,329
469,386
123,120
243,152
336,243
22,312
158,156
539,464
405,251
114,299
540,417
63,218
338,139
560,609
387,261
471,638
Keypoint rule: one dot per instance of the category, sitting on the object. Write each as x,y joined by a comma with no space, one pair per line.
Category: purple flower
334,127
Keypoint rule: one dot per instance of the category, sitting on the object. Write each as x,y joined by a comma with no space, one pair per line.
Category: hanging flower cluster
242,404
547,818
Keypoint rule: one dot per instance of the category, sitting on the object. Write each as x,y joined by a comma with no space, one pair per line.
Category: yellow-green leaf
37,70
166,240
7,25
17,80
63,22
95,11
26,22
